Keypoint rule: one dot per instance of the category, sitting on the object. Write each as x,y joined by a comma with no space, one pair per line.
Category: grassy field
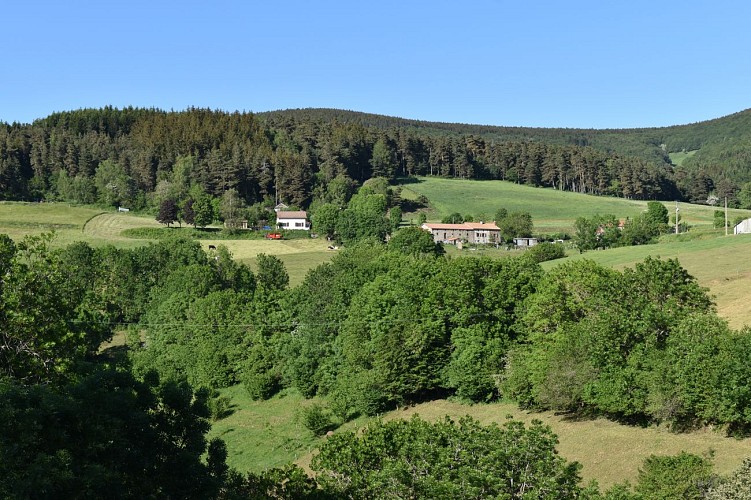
98,227
679,157
266,434
551,210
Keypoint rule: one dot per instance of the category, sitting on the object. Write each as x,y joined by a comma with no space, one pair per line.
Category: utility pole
676,216
726,216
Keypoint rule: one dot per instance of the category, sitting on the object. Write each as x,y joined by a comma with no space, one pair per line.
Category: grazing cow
212,247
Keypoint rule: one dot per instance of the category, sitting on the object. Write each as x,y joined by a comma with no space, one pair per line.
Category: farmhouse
292,220
525,242
743,227
471,232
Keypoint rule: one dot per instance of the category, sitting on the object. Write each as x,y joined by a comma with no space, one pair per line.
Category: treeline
294,156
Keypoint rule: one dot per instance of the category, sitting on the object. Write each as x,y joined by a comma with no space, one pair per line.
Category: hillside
138,157
723,142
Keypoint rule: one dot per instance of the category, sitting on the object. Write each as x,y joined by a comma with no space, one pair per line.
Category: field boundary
83,228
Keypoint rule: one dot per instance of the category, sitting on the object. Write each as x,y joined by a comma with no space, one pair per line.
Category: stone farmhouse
483,233
292,220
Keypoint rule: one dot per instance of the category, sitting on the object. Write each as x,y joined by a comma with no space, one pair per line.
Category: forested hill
723,142
133,156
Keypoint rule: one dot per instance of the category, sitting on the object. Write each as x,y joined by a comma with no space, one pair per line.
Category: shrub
680,476
318,419
547,251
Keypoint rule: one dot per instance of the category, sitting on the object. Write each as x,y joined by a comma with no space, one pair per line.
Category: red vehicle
274,236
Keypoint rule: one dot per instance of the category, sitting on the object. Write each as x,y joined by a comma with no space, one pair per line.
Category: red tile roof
466,226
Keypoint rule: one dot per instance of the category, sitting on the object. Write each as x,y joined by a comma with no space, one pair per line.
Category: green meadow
552,210
98,227
265,434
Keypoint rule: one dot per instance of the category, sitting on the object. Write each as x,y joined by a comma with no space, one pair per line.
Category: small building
743,227
281,207
525,242
292,220
481,233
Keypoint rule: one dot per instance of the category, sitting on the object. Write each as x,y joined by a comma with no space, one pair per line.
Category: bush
219,406
261,385
547,251
680,476
318,419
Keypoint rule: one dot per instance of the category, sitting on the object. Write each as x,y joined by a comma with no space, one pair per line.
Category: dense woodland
136,156
382,325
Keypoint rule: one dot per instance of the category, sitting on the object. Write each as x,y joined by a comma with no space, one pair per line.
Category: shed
743,227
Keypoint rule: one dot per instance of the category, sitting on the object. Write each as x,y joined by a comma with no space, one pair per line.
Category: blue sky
582,64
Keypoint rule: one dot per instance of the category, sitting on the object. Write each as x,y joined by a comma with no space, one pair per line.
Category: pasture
263,434
552,210
99,227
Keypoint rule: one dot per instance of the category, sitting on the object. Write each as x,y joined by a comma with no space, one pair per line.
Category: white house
744,227
292,220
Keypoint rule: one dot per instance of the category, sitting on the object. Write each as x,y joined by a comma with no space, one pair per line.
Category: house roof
299,214
466,226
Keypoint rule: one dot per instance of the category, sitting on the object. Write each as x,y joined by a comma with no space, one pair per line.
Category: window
299,224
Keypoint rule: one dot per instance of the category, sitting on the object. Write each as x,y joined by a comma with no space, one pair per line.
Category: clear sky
583,64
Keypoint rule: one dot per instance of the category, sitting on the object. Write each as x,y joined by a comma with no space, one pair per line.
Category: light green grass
552,210
678,158
264,434
18,220
99,227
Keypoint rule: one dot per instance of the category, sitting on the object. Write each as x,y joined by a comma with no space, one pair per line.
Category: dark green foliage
106,436
657,214
640,231
618,343
455,218
288,482
219,406
719,219
683,476
271,273
203,212
415,241
317,419
515,224
118,156
606,231
50,321
364,217
167,212
381,344
324,219
446,459
545,251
